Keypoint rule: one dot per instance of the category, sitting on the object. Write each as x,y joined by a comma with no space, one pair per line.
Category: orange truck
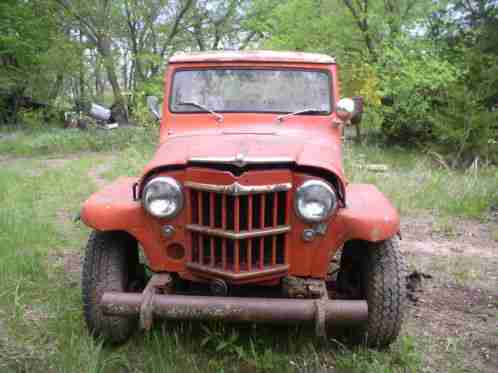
244,214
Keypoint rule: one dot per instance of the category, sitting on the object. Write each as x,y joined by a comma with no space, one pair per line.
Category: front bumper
149,305
257,310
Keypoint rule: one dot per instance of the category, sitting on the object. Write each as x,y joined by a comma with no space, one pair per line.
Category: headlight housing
315,201
162,197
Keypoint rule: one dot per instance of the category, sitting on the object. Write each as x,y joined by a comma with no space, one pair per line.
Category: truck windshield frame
257,96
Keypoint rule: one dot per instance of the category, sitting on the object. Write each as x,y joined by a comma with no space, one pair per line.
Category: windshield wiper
281,118
218,116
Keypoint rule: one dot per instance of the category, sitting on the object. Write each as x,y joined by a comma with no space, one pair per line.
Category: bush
465,125
414,78
141,114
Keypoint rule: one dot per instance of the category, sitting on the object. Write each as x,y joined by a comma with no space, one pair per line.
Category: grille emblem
239,160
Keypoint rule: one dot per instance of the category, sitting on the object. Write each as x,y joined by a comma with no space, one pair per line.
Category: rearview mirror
345,109
153,105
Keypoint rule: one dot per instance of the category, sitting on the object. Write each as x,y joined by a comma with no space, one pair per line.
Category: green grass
41,325
66,141
416,184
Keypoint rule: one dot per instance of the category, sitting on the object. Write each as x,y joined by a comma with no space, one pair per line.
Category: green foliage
416,78
466,129
34,52
141,114
466,126
305,26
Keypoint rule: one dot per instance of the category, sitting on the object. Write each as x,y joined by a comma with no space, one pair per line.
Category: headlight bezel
177,188
300,192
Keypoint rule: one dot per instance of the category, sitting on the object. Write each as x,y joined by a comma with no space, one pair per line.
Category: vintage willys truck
244,208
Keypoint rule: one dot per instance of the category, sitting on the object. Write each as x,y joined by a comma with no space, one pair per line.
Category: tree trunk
99,83
81,69
120,112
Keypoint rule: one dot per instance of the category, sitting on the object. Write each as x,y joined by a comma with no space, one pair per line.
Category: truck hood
243,149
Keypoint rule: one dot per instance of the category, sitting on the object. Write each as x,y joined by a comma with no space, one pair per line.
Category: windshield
251,90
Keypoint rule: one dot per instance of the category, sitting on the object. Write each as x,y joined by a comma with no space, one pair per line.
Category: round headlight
315,201
162,197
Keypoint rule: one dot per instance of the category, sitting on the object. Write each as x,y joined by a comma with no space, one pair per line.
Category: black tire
110,262
379,270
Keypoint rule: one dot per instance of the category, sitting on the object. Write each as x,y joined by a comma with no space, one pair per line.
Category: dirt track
456,309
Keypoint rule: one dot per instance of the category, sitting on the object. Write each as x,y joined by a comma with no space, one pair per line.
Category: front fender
113,209
368,214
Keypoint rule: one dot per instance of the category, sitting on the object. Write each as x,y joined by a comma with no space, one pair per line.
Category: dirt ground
456,307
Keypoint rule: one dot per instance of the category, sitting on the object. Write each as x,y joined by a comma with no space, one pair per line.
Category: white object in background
99,112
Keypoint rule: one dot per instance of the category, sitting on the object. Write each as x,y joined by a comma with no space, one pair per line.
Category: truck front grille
238,228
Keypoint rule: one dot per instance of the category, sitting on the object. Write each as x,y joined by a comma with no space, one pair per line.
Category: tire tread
106,268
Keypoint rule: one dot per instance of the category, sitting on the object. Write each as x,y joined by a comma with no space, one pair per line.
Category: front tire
110,262
378,271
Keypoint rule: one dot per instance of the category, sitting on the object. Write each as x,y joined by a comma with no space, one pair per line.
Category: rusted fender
113,208
368,215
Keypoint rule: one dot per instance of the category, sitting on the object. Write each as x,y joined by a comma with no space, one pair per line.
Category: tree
152,27
97,20
35,55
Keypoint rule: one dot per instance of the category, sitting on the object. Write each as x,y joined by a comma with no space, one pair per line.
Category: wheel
376,272
111,262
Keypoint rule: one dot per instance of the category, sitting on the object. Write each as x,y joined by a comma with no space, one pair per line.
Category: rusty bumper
322,312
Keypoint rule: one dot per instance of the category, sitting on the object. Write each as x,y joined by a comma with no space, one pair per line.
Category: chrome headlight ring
315,201
162,197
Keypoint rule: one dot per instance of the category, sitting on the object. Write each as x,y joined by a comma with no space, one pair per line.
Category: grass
41,325
65,141
415,183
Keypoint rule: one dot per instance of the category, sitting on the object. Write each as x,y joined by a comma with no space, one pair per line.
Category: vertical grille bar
201,249
261,246
249,254
224,211
211,245
236,224
236,259
211,209
236,214
249,213
224,253
195,247
274,250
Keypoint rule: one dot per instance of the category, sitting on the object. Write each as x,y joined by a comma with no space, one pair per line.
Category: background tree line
428,69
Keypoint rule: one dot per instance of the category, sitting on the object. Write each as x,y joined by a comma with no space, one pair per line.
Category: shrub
414,78
465,125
